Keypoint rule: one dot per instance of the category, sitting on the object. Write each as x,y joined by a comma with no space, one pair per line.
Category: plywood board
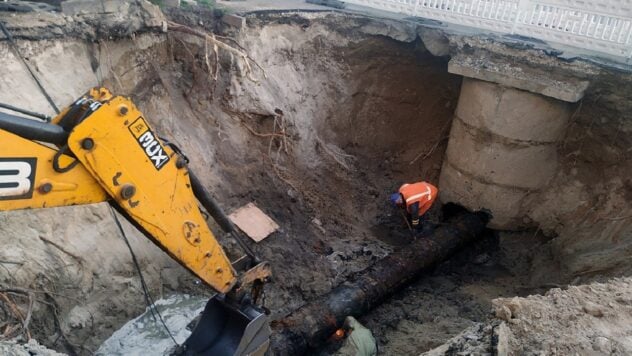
253,222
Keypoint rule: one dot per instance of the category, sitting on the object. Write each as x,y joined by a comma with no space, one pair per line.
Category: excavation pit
349,108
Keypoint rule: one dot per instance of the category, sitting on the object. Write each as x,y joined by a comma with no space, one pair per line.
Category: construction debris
254,222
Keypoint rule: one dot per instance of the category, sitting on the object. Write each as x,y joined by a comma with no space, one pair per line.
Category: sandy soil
594,318
591,319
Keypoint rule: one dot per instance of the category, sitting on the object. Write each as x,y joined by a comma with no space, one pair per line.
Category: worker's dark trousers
422,220
424,228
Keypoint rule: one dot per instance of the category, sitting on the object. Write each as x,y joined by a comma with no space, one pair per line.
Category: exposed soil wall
327,182
351,102
588,203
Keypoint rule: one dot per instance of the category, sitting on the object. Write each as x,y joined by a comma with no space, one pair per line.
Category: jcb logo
16,178
149,143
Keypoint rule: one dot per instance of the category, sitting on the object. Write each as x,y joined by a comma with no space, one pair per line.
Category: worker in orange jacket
416,198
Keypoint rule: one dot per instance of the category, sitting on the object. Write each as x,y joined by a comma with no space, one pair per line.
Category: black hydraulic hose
33,130
25,112
207,201
209,204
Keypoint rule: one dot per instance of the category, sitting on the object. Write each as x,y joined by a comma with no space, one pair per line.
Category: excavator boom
102,148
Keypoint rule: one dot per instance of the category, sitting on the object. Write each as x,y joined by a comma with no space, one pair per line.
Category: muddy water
145,335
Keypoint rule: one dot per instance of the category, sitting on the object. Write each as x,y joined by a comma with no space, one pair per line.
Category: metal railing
602,26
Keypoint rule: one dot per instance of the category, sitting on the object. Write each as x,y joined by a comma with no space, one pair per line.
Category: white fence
603,26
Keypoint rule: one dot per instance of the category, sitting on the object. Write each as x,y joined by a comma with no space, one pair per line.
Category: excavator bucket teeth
228,330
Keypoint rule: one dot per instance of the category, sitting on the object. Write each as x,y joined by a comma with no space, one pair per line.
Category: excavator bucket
228,330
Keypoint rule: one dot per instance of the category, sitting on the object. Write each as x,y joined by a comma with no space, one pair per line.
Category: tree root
444,136
340,157
23,319
217,44
79,259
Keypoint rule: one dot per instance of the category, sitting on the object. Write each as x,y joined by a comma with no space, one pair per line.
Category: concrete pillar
502,146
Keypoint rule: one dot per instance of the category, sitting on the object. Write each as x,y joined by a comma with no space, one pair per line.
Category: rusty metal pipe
311,325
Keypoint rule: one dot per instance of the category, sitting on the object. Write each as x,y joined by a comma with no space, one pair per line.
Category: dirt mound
593,319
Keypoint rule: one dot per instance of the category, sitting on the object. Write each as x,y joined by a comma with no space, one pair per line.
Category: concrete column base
502,147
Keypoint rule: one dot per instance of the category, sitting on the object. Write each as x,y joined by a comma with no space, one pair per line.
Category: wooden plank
253,222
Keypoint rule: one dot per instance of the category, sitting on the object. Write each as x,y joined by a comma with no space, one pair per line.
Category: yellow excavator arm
102,148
